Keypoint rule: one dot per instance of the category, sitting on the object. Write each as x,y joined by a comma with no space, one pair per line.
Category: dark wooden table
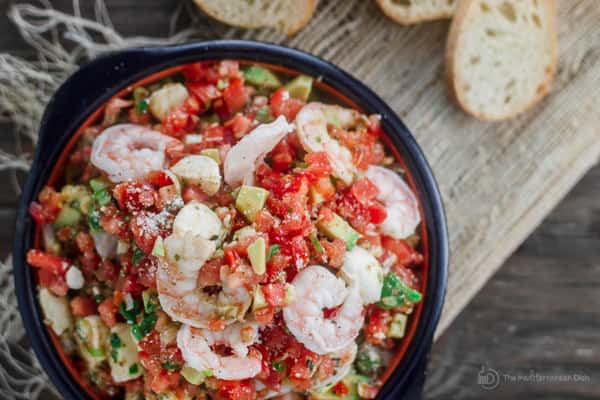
540,314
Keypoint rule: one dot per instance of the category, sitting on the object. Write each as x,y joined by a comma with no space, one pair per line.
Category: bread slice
414,11
501,55
284,15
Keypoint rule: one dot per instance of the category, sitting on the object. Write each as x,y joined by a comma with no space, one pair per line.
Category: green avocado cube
257,253
337,228
300,87
250,200
261,77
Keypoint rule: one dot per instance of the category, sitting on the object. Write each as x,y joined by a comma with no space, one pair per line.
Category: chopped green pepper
131,314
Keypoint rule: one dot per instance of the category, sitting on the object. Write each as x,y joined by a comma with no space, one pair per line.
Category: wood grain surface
498,182
540,312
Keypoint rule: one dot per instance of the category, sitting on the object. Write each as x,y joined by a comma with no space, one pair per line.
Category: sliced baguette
284,15
407,12
501,55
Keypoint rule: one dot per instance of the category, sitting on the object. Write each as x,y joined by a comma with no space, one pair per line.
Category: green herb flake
316,244
102,197
136,256
115,341
170,366
273,250
141,106
131,314
94,219
278,366
133,369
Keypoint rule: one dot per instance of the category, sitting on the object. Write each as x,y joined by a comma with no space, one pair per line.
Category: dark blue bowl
96,82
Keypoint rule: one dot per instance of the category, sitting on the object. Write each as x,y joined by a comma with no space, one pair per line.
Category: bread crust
404,20
462,13
309,10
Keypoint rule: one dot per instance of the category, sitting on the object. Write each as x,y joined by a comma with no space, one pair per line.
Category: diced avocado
123,360
158,249
70,193
337,228
290,293
91,335
257,255
261,77
68,216
212,153
351,380
315,196
300,87
194,376
398,326
250,200
259,299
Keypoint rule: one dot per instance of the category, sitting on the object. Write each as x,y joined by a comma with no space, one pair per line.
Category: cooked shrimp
195,345
242,159
311,125
400,203
362,269
196,231
316,289
343,360
129,152
200,170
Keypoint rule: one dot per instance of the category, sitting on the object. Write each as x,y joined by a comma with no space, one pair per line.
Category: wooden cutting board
498,180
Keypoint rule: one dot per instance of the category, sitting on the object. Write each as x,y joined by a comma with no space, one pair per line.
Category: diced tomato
229,69
159,179
239,125
377,213
164,380
232,257
377,326
166,196
210,273
146,271
282,156
49,262
130,284
135,196
179,122
237,390
340,389
283,104
50,203
364,191
274,294
55,283
147,226
204,92
299,251
107,271
203,71
264,221
335,252
235,95
108,312
264,315
175,151
113,222
276,266
194,192
325,188
37,212
405,254
318,166
82,306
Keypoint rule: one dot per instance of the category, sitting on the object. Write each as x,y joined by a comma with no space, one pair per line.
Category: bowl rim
122,68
